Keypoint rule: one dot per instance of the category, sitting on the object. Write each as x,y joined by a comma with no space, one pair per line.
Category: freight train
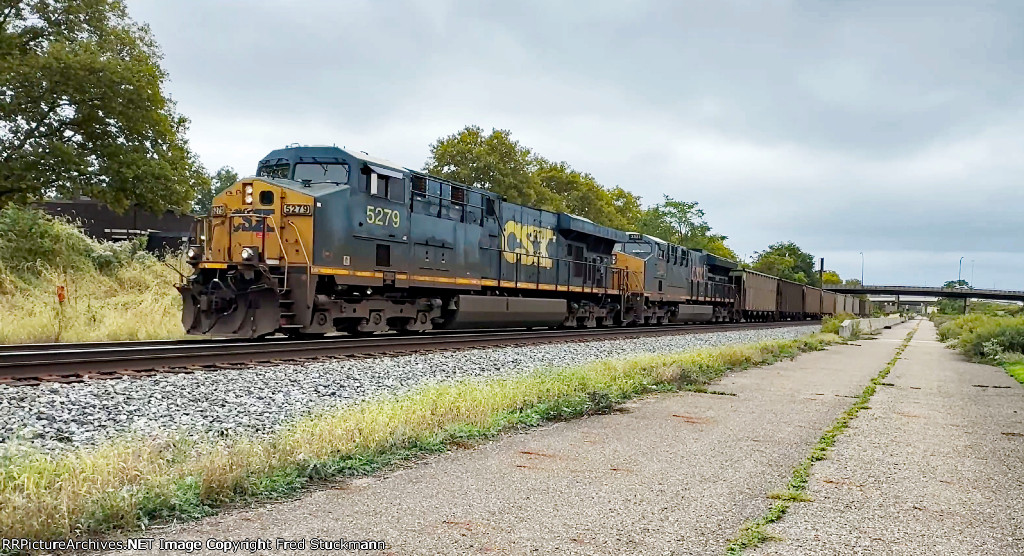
322,240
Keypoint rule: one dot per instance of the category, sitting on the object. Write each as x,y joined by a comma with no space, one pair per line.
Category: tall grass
113,291
129,483
831,324
986,338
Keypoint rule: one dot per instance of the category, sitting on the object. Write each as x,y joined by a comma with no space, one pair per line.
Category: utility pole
861,268
821,283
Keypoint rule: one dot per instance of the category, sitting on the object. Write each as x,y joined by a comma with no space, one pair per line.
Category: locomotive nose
247,223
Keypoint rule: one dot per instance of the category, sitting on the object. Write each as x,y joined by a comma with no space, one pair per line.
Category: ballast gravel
55,417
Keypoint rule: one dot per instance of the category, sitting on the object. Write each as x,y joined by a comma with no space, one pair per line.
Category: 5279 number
382,216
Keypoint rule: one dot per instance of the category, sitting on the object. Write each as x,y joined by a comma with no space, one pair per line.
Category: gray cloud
894,128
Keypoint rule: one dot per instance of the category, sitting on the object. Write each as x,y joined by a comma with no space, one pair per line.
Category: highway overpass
931,291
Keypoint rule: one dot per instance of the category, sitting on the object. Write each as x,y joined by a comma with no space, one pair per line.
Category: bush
831,324
985,337
113,290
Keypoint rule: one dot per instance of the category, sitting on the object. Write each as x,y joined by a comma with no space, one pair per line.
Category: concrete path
675,474
936,466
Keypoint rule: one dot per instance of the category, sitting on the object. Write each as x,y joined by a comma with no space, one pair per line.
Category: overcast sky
892,128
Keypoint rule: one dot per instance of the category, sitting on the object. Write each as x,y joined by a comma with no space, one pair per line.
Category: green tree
494,162
682,222
951,305
498,163
580,193
223,179
83,112
628,207
831,278
786,260
654,221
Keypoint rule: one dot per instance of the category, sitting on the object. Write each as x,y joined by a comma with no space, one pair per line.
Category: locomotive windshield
274,171
321,172
637,249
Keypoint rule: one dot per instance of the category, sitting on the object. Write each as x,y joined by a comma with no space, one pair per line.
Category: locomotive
323,239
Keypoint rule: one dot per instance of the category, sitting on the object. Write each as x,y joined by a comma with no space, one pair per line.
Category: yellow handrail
309,264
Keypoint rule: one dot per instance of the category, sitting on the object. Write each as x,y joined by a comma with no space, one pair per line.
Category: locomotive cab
258,267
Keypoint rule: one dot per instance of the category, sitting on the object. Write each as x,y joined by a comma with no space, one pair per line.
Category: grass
1016,370
831,324
755,532
131,483
113,291
986,338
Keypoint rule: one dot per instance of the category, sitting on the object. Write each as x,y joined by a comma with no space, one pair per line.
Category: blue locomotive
322,239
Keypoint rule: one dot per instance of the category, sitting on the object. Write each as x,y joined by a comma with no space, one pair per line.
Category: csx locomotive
323,239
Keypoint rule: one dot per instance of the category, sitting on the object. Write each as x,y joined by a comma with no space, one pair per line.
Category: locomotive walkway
935,466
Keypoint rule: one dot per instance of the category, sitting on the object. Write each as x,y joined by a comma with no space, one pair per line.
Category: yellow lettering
527,244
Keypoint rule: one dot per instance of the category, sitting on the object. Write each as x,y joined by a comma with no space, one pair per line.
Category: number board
382,216
219,210
298,210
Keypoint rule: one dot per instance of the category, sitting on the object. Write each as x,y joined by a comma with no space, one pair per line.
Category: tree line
84,111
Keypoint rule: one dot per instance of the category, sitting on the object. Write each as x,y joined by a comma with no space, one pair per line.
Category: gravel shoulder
675,473
936,466
258,400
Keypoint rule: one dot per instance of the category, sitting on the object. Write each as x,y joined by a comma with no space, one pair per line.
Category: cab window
274,171
321,173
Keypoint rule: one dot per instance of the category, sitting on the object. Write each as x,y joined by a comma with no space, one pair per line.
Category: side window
419,186
474,209
456,207
396,190
491,211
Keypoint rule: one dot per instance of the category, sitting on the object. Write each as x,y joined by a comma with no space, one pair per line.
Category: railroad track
37,363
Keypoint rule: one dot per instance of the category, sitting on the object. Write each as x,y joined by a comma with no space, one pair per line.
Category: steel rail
81,361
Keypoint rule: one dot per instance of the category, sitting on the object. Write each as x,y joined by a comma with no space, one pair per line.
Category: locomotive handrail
309,264
284,253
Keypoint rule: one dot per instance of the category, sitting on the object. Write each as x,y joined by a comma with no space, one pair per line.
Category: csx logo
527,244
253,224
698,273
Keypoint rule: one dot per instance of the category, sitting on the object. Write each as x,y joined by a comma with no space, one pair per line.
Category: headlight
248,199
248,189
248,254
194,253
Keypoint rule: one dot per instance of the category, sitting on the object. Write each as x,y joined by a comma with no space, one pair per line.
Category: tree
628,207
682,223
950,305
786,260
223,179
83,112
493,162
498,163
831,278
579,192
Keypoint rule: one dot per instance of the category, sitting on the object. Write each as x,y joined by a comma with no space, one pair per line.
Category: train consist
325,240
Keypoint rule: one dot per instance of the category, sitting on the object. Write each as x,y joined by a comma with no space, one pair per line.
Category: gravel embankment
58,416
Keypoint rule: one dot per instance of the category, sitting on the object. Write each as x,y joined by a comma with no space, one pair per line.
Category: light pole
861,268
959,271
